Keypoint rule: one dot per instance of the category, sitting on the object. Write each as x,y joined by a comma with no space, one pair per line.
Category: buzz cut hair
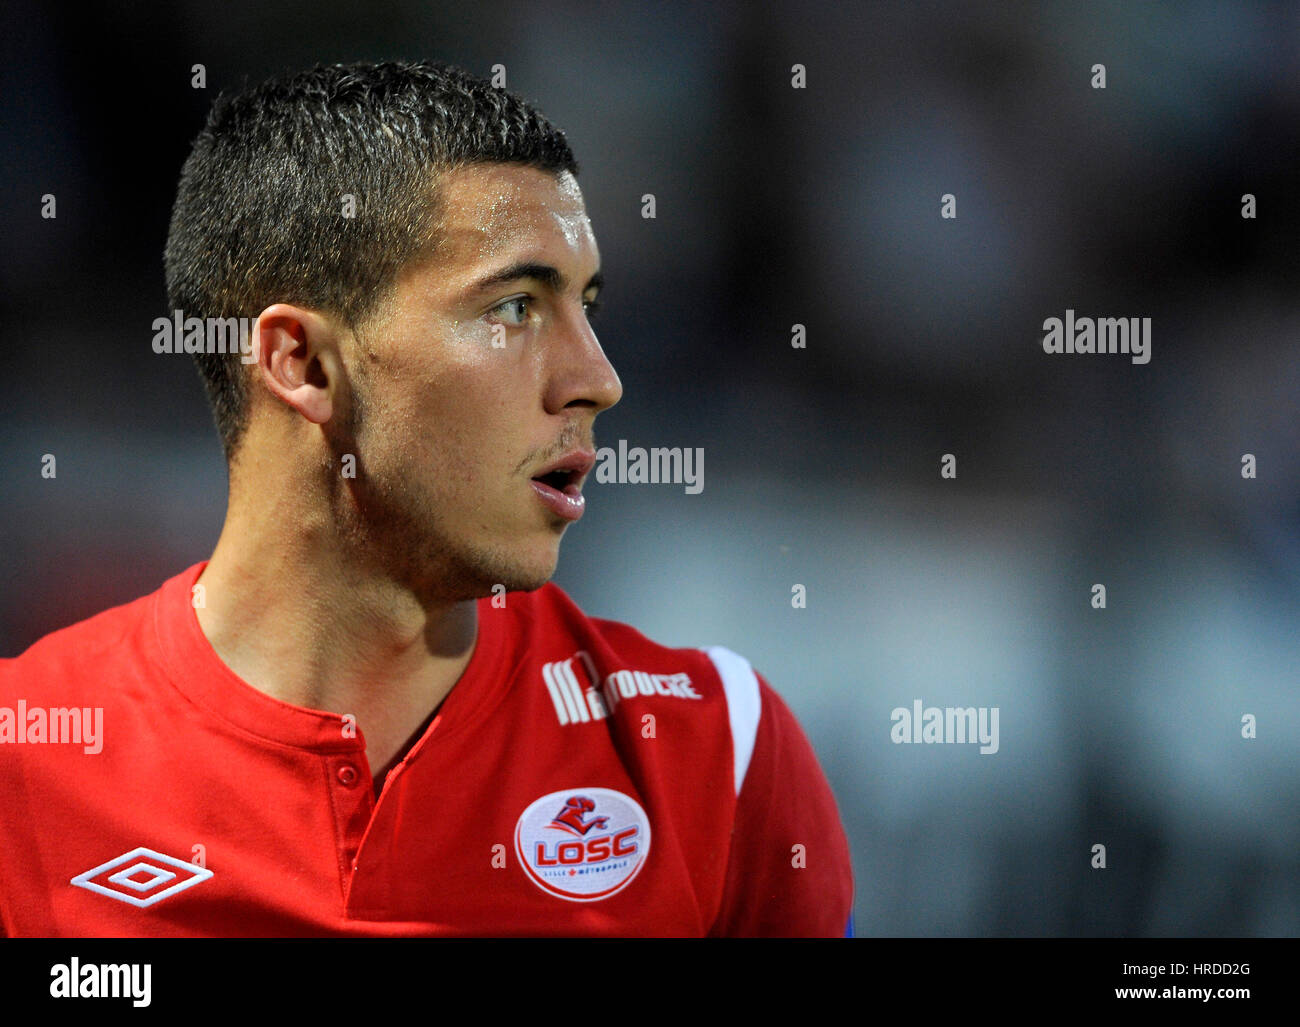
261,214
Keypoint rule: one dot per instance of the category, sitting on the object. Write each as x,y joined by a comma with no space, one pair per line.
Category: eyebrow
549,276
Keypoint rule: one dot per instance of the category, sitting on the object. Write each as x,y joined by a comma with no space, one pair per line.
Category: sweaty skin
357,594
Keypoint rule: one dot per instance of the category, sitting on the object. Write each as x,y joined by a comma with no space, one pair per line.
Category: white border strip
744,704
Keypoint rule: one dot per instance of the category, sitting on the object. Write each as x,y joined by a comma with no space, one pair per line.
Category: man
369,713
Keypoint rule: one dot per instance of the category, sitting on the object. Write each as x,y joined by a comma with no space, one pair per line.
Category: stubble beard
397,529
404,530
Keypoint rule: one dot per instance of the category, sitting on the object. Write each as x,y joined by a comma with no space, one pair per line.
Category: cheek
458,435
455,422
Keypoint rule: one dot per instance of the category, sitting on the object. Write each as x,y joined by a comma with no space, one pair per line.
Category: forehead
489,211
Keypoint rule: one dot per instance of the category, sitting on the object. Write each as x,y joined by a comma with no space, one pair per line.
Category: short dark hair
259,214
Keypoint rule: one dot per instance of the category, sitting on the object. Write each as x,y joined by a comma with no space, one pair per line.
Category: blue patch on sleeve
848,928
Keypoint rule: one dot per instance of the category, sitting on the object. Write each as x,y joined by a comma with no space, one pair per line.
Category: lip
568,502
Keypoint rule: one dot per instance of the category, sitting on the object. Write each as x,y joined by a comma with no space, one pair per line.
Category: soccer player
369,713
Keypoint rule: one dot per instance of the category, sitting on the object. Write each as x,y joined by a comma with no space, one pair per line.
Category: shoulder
599,667
554,620
89,648
687,722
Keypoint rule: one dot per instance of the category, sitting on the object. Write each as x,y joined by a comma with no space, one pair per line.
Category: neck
295,611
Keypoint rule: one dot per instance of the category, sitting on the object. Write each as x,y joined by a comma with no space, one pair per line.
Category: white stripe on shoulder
744,705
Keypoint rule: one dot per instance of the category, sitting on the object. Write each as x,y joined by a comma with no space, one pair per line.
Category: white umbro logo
142,877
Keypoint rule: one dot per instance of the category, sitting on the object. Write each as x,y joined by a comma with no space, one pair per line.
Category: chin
519,571
533,576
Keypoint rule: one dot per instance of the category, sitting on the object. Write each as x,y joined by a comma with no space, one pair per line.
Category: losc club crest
583,844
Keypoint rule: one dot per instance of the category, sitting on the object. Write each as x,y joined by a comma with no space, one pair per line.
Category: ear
298,360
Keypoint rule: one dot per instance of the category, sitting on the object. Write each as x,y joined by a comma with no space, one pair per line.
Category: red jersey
578,780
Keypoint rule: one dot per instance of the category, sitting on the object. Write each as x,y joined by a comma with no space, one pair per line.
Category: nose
581,375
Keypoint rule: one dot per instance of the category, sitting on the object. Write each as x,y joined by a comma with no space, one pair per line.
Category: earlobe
321,382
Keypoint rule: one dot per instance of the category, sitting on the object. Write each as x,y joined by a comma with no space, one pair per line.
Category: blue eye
514,308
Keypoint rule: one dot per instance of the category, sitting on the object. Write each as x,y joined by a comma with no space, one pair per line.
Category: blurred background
818,206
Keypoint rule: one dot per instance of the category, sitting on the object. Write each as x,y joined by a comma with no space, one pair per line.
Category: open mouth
558,480
560,490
